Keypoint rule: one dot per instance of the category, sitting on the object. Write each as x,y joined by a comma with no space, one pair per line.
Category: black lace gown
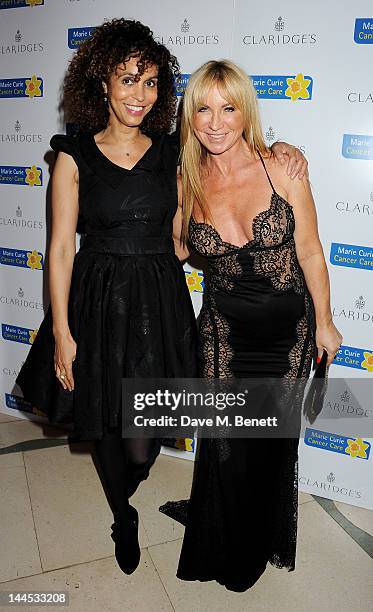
129,307
257,320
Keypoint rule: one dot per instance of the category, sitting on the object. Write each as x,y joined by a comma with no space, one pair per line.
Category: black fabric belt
102,242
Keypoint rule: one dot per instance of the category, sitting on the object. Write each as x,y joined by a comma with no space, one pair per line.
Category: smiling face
217,124
129,99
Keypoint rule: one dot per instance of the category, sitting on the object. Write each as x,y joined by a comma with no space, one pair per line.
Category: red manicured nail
318,359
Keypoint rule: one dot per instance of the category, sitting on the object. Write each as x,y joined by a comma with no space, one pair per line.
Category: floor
55,526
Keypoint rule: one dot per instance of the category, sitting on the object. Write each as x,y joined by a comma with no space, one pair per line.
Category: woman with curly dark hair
120,307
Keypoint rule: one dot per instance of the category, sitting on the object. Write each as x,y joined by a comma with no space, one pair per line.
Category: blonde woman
266,308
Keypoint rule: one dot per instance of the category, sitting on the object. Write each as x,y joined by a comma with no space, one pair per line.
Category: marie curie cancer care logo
31,176
23,87
356,448
75,36
14,333
270,87
354,357
288,87
9,4
363,34
351,256
32,260
357,146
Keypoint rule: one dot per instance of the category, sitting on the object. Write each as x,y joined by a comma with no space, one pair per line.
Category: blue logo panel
17,403
75,36
351,256
288,87
354,357
23,87
357,146
363,34
181,83
32,176
17,334
9,4
336,443
21,259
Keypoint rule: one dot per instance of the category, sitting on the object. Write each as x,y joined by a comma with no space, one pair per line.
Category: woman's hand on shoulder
291,158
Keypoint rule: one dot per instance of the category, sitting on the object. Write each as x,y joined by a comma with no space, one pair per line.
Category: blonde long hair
235,87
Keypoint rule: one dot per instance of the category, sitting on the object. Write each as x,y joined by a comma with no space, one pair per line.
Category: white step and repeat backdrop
312,67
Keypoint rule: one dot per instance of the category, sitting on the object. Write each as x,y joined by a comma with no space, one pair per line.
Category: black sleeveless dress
257,320
129,307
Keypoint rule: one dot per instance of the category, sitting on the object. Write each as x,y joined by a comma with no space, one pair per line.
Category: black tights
122,463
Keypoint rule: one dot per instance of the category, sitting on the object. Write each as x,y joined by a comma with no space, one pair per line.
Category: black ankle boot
125,537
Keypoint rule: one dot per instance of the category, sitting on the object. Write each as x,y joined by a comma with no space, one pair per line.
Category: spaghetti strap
264,166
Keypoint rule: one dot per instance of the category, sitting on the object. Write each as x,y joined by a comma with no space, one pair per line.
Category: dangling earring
105,99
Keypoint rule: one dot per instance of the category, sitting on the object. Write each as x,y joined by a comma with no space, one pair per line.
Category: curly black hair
111,44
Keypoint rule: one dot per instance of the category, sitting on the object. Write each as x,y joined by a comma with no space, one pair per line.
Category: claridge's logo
19,301
279,24
279,38
19,44
288,87
187,37
354,312
360,302
19,222
185,27
19,137
31,176
9,4
357,208
270,134
360,97
22,87
330,477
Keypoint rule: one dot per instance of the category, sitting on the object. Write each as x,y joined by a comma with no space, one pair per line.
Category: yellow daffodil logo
32,335
33,87
185,444
298,87
367,364
33,176
357,448
34,260
34,2
194,281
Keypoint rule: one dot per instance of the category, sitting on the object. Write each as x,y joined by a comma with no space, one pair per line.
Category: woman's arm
311,259
61,256
181,250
